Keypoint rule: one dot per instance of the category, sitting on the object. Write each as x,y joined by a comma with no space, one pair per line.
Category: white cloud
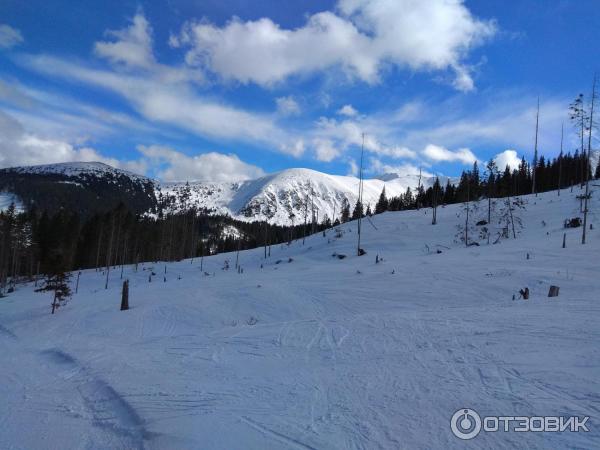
347,110
325,149
352,167
507,158
504,118
287,106
131,47
441,154
361,39
175,104
349,133
204,167
19,147
294,148
9,37
378,167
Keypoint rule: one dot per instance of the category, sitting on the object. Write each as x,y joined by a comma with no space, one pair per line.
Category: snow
273,198
276,196
345,353
75,169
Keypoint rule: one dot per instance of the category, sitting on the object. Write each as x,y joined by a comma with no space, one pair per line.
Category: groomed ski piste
316,352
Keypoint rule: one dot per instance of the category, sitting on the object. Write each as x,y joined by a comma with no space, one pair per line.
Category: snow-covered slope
307,350
76,169
84,187
282,197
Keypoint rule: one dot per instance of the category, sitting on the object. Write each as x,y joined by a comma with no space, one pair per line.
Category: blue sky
229,90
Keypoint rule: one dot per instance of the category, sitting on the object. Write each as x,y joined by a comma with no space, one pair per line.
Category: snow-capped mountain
284,197
85,187
281,198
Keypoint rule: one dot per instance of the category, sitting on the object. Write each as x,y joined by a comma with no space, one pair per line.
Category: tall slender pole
418,189
467,218
587,162
535,151
360,182
560,157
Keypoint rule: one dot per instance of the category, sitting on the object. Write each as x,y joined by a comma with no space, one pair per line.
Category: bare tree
360,191
579,117
560,157
587,181
535,151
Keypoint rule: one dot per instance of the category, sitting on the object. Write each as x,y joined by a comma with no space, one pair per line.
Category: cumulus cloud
441,154
347,110
19,147
9,37
378,167
204,167
287,106
132,46
325,149
361,37
349,133
352,167
507,158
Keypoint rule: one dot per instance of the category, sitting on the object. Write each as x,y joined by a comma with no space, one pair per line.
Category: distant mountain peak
282,197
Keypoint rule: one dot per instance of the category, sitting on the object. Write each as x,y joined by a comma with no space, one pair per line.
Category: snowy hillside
281,197
308,349
274,198
76,169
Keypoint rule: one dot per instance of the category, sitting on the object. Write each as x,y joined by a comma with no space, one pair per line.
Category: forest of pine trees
33,243
561,172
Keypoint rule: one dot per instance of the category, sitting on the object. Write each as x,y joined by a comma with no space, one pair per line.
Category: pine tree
345,211
382,204
358,210
59,284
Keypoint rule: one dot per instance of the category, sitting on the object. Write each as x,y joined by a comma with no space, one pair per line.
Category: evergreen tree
358,210
345,211
59,284
382,204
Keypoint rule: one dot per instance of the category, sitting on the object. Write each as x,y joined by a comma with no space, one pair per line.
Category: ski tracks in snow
105,407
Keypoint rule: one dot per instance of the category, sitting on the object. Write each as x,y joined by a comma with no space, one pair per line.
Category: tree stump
553,292
125,296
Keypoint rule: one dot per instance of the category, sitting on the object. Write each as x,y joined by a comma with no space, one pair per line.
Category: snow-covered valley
307,350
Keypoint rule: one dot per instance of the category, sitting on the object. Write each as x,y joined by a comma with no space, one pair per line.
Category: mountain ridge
282,198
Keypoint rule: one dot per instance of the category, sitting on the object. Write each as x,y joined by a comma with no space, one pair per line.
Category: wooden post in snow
125,296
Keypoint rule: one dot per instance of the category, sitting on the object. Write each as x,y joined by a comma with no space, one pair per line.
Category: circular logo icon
465,424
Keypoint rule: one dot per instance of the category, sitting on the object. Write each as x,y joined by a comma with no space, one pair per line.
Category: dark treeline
34,242
475,184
